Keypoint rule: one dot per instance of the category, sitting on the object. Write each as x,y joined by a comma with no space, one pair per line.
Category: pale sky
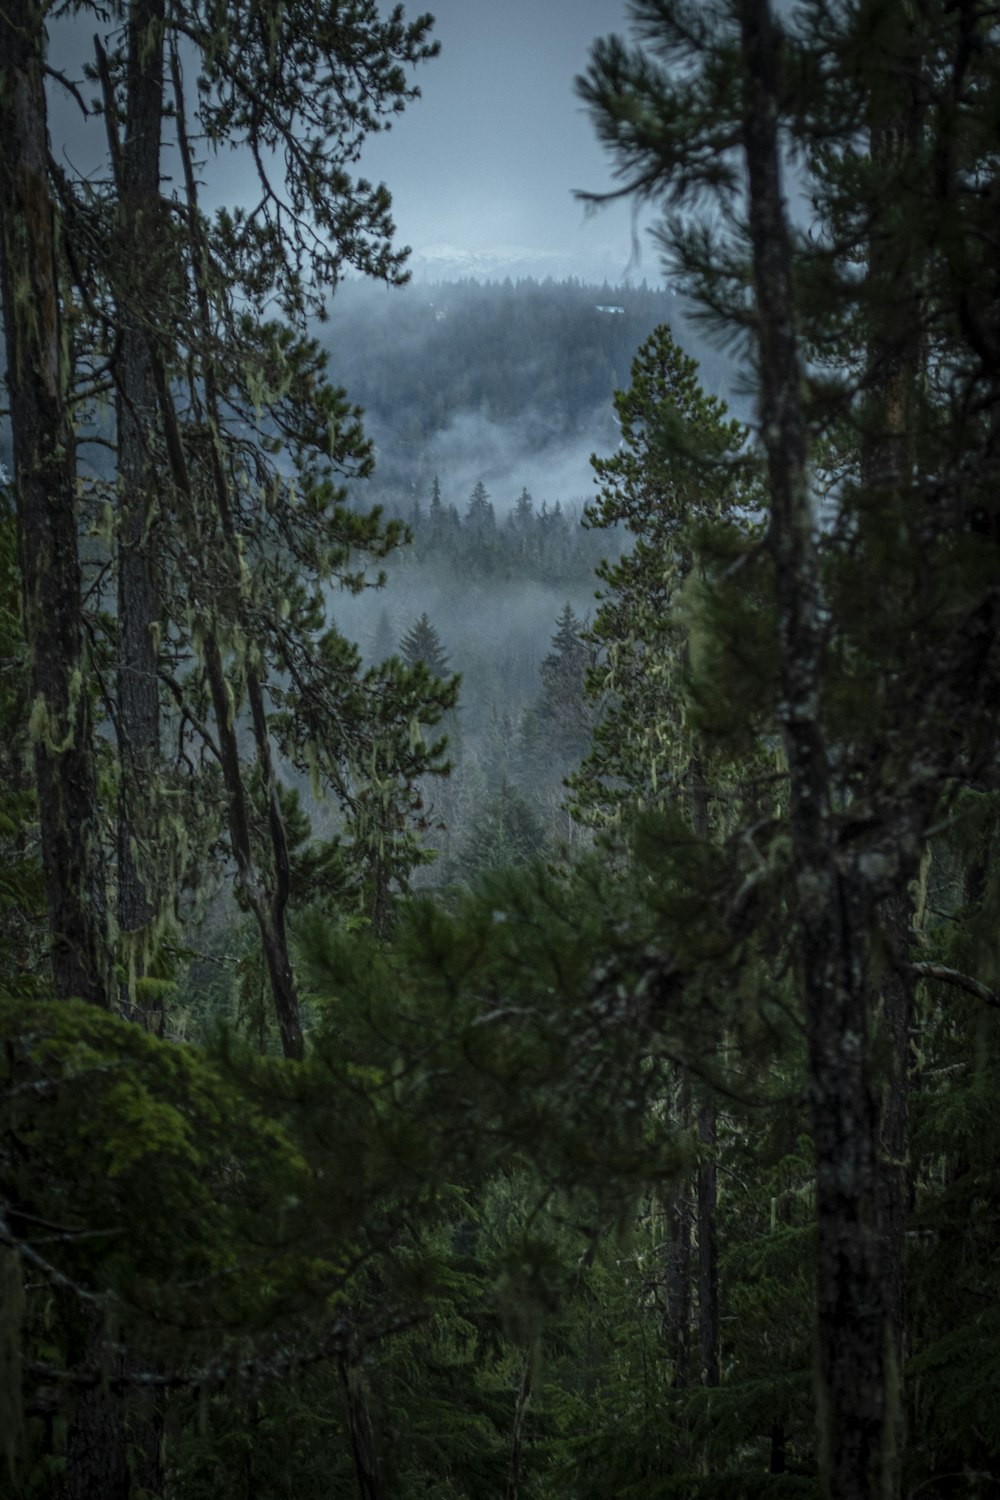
488,158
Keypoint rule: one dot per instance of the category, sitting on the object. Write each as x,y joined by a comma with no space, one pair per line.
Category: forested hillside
508,383
499,967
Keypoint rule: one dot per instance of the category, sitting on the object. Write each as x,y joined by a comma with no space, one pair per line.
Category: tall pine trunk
138,469
830,909
45,488
708,1248
894,358
677,1269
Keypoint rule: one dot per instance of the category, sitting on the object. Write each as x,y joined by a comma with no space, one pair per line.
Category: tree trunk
45,488
677,1272
96,1447
269,915
138,471
708,1251
516,1465
362,1433
894,358
830,910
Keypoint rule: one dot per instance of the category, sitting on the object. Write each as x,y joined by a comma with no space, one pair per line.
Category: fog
507,457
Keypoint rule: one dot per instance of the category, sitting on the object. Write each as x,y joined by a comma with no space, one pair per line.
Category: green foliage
680,487
421,643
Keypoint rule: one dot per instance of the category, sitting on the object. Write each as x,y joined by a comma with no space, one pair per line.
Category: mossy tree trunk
45,487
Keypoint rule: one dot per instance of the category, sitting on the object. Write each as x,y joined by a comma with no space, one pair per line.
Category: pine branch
960,981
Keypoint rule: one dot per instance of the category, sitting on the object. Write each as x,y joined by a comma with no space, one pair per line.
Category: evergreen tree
894,694
207,436
523,513
674,478
421,643
506,833
479,516
556,728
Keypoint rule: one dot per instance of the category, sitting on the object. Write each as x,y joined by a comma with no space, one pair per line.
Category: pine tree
523,514
676,477
219,498
895,694
384,640
557,726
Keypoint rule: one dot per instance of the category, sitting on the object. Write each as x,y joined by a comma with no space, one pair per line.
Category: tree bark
516,1465
708,1250
830,912
894,357
45,488
362,1434
96,1447
138,469
678,1269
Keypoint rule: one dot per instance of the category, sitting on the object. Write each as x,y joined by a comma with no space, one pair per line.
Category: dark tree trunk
96,1447
364,1451
516,1465
147,1419
45,488
268,900
708,1250
678,1268
268,912
895,355
138,471
829,893
707,1187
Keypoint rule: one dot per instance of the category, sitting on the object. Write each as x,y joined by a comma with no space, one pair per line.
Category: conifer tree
894,696
556,728
674,479
421,643
479,512
384,641
223,498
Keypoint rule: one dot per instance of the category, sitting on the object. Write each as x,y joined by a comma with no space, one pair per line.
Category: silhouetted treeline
544,543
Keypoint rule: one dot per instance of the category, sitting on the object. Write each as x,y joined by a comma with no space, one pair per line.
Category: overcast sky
487,160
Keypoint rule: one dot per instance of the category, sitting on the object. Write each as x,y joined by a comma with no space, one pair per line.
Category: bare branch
960,981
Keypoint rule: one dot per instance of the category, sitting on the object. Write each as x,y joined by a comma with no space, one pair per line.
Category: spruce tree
421,643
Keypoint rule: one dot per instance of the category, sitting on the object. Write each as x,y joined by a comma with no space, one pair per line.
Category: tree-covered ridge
521,370
436,349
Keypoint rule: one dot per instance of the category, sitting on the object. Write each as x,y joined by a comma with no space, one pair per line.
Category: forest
499,963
